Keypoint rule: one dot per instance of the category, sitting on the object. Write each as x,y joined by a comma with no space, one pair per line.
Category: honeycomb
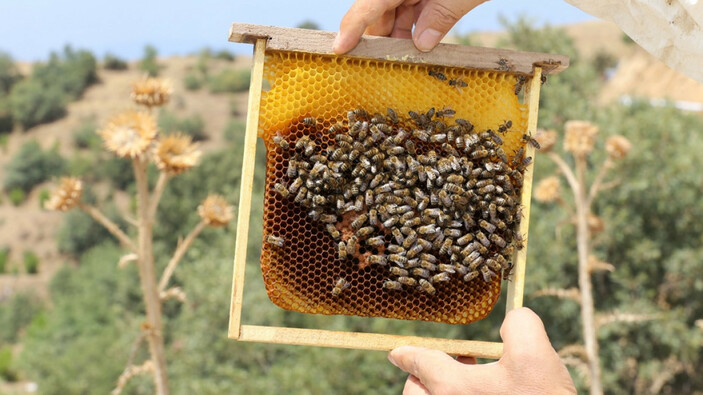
308,98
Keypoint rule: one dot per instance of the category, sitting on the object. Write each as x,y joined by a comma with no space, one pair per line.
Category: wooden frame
533,65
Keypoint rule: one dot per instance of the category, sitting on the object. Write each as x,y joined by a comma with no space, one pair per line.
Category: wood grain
516,286
401,50
367,341
246,188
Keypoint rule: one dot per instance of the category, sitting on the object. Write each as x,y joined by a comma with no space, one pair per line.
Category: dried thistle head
548,190
546,139
215,211
66,196
617,147
129,134
175,154
580,137
151,92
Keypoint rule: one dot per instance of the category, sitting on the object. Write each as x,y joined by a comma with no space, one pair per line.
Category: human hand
395,18
529,365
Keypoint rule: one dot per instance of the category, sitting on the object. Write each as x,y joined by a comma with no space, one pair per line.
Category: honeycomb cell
302,275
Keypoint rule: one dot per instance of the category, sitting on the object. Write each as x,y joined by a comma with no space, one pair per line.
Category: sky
31,29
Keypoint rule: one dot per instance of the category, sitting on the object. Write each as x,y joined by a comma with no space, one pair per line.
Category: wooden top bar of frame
402,50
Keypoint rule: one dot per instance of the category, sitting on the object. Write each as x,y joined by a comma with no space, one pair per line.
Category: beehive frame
531,65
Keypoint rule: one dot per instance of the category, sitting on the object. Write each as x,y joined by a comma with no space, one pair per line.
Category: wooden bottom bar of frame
367,341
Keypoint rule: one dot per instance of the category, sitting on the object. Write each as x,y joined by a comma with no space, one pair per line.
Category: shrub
149,63
44,195
6,122
192,82
79,232
4,254
112,62
225,55
32,103
31,262
31,166
230,81
71,72
16,196
15,314
9,74
234,129
6,371
193,126
84,136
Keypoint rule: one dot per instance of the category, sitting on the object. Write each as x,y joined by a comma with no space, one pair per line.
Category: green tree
149,63
308,24
31,103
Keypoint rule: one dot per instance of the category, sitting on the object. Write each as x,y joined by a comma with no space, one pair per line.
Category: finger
436,18
413,386
384,25
466,360
361,15
431,367
404,20
524,335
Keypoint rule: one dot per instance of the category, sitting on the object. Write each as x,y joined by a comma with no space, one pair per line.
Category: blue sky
30,29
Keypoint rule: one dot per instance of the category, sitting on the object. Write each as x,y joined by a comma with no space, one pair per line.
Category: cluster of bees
426,197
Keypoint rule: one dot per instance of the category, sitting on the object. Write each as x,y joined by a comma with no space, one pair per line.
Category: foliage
225,55
95,309
234,129
231,81
44,195
70,71
193,126
4,254
6,371
15,314
32,103
112,62
118,171
192,82
84,136
308,24
79,232
149,63
9,74
31,262
31,166
6,121
16,196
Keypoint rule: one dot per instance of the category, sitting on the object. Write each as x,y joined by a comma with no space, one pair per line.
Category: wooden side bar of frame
264,37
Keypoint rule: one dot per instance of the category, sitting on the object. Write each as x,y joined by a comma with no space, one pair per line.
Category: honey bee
444,276
466,125
420,272
390,222
471,275
494,265
275,241
281,189
413,251
502,128
332,230
479,154
394,285
398,259
392,116
426,286
339,286
427,265
351,245
520,82
359,221
407,281
446,268
458,83
446,245
398,235
360,113
309,148
429,258
365,231
398,271
302,194
377,260
489,227
310,121
342,250
373,217
483,239
375,241
319,200
436,74
328,218
494,136
487,274
410,239
455,233
438,138
445,112
280,141
395,249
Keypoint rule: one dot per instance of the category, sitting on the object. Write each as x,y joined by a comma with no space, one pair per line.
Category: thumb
436,18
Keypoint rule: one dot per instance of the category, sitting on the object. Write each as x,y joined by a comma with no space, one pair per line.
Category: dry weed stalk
579,141
134,136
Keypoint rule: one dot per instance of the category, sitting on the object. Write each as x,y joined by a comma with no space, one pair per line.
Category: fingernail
428,40
390,358
335,44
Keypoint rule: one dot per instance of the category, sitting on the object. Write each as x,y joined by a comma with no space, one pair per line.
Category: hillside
28,227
